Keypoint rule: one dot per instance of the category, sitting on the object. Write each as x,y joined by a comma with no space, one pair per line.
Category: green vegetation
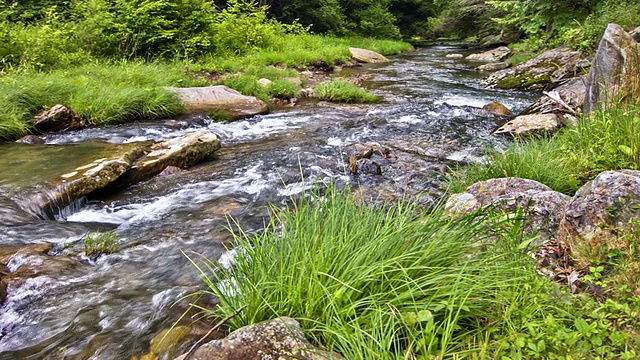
340,90
96,244
380,282
605,140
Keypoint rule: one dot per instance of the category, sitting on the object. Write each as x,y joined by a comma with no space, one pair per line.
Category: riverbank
111,92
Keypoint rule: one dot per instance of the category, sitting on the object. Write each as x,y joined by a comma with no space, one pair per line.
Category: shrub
343,91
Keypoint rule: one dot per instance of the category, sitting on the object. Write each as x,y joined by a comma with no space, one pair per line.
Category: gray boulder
280,338
546,71
367,56
494,66
31,140
541,207
220,98
614,74
527,125
565,101
496,54
602,212
59,117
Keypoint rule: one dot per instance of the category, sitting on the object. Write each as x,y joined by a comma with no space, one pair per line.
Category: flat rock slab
367,56
220,98
131,164
527,125
496,54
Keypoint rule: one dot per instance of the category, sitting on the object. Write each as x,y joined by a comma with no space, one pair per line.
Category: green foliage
343,91
380,282
96,244
606,140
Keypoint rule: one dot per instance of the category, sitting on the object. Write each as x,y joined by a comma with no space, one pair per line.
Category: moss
522,82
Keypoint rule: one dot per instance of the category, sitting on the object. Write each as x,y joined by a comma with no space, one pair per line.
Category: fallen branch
555,96
214,328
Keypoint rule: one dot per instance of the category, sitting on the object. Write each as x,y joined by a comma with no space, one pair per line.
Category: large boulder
220,98
615,73
527,125
602,212
496,54
280,338
540,206
130,164
494,66
546,71
367,56
565,101
59,117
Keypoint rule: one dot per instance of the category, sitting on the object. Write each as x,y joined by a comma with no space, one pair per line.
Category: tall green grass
606,140
102,93
386,283
340,90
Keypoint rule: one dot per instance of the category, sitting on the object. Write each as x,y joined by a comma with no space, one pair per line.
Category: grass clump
605,140
380,282
96,244
339,90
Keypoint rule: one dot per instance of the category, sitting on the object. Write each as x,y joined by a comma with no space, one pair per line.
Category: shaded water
113,306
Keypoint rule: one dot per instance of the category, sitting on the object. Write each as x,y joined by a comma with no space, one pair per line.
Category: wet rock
130,164
497,109
280,338
368,166
614,74
527,125
542,208
183,151
367,56
59,117
602,212
220,98
360,161
496,54
495,66
546,71
499,39
455,56
31,140
566,101
171,170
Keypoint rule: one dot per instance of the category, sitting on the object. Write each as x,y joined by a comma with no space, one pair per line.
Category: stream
112,306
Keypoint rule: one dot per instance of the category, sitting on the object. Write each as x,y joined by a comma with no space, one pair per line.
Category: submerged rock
545,71
59,117
602,212
541,207
367,56
280,338
31,140
527,125
220,98
454,56
615,73
495,108
496,54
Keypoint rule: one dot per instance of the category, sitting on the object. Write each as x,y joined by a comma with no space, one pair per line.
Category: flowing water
110,307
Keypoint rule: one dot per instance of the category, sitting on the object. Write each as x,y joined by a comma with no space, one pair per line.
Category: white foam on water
267,124
458,100
407,119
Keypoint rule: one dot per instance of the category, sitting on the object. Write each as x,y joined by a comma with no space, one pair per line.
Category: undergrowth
386,283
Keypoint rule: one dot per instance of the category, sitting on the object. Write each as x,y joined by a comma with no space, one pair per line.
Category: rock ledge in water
367,56
132,164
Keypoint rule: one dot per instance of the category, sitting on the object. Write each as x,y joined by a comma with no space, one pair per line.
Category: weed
343,91
96,244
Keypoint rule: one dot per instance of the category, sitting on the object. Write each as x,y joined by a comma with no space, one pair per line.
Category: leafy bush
343,91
